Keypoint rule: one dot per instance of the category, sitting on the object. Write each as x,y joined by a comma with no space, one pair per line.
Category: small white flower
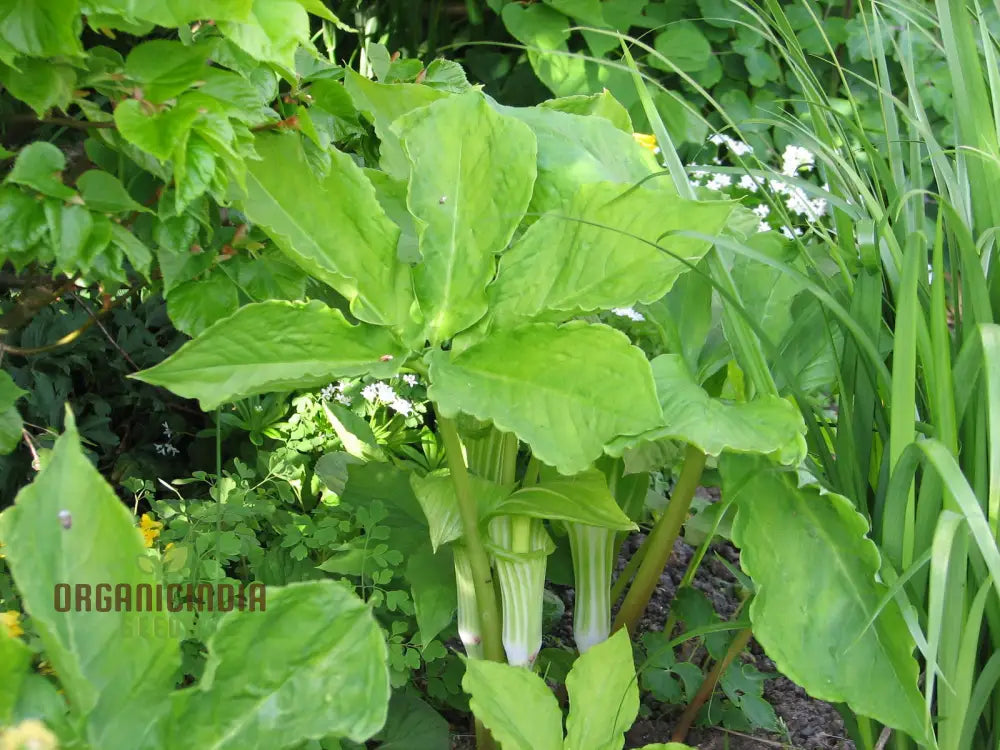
402,406
740,148
763,210
410,380
715,160
628,312
718,139
763,226
369,394
699,175
748,183
719,181
165,449
385,392
796,158
328,392
790,234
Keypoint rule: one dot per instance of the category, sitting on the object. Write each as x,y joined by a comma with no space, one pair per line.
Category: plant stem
482,575
708,686
661,543
629,570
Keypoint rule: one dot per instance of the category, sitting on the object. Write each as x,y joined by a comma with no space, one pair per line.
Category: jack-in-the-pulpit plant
473,258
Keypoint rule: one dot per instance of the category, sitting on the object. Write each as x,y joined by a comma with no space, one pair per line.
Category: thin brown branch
67,122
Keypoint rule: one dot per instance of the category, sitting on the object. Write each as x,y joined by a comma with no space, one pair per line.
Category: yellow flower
646,141
30,734
150,529
10,621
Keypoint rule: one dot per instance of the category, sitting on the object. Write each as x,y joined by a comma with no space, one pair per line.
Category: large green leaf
817,609
566,390
165,68
41,86
311,665
574,150
10,418
384,103
41,29
514,704
431,576
195,305
274,346
332,226
39,165
470,183
584,498
173,13
600,253
272,32
767,425
69,527
436,494
603,105
603,695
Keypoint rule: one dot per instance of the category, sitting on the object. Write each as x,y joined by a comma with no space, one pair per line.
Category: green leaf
164,68
171,14
536,26
470,183
446,75
331,468
319,668
39,165
69,527
195,305
42,29
602,105
41,86
514,704
584,498
354,432
157,133
436,494
272,32
194,169
333,226
102,191
603,695
767,425
566,391
309,345
413,725
137,253
432,581
15,666
586,12
601,253
9,391
384,103
574,150
684,45
821,623
11,426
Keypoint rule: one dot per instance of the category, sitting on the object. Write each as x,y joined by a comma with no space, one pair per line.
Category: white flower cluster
628,312
737,147
336,392
383,393
166,448
796,158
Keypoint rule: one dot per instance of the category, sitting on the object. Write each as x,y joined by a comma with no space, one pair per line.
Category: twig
104,330
883,739
36,463
68,122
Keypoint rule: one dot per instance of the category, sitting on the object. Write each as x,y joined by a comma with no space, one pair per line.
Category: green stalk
593,550
520,547
661,543
469,627
479,563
